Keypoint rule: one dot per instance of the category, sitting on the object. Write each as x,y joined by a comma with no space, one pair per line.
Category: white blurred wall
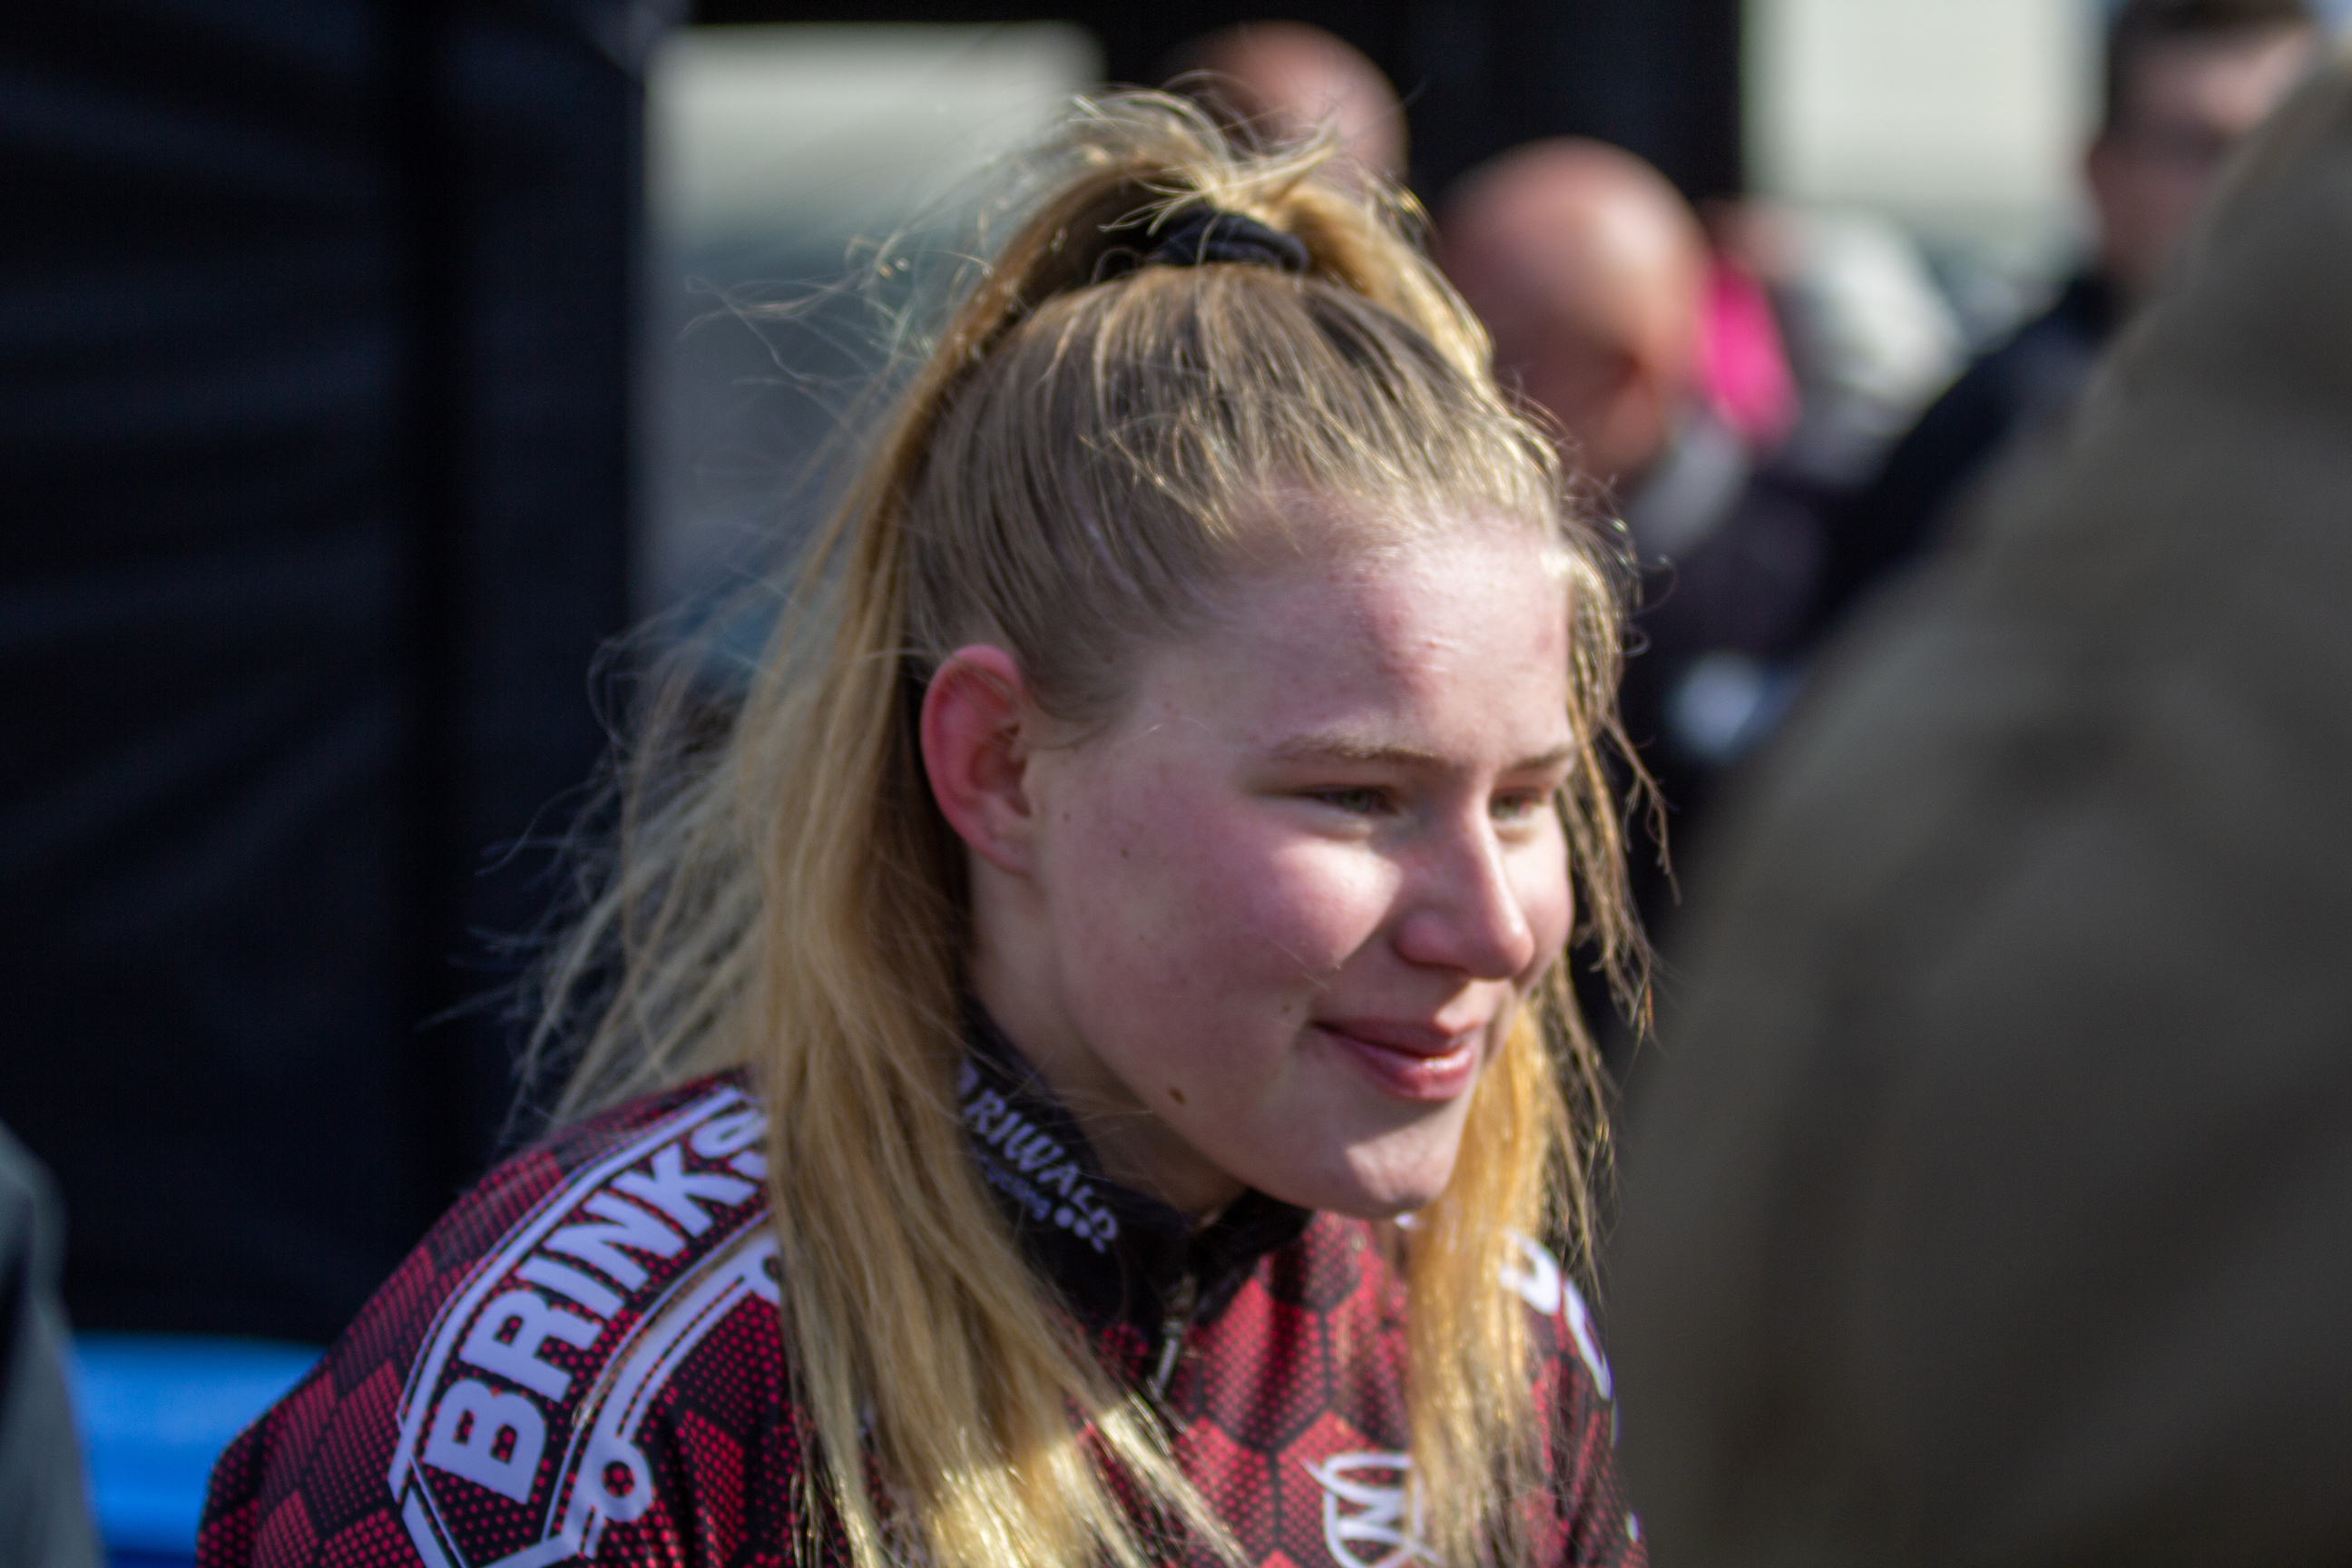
775,133
773,152
1965,119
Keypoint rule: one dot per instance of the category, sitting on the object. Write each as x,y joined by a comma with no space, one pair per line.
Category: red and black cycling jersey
584,1361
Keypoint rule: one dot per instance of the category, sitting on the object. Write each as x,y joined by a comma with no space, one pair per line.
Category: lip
1411,1061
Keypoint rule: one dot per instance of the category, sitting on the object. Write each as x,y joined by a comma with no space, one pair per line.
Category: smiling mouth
1410,1063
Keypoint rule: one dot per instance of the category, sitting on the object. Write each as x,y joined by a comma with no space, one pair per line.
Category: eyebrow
1341,748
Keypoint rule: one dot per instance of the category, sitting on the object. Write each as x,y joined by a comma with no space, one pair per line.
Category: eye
1519,805
1362,801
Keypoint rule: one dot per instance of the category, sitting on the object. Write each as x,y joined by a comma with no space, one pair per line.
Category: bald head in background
1590,270
1284,80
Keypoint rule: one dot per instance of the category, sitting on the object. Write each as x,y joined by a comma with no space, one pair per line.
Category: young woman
1078,1072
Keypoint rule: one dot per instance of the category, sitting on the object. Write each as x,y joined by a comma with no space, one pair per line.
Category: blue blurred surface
155,1412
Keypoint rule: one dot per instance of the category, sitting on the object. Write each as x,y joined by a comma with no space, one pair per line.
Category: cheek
1547,900
1176,893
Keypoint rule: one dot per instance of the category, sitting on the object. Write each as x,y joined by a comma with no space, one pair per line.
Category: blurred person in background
1870,337
2184,82
1743,364
44,1518
1988,1203
1592,274
1285,80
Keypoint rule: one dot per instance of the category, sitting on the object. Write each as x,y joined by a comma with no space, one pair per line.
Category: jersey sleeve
582,1360
1593,1518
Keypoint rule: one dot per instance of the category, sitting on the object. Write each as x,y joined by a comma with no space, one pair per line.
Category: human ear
977,731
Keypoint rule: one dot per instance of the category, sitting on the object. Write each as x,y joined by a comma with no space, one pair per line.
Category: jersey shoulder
534,1376
1573,1384
1564,1328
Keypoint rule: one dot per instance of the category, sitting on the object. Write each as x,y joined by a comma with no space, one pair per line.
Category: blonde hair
1091,448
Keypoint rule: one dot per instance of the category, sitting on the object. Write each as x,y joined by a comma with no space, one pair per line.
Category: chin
1389,1187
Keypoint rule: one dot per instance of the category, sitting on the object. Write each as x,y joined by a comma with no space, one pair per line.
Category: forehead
1461,638
2234,78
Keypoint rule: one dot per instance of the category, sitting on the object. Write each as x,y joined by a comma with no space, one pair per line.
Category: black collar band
1117,1256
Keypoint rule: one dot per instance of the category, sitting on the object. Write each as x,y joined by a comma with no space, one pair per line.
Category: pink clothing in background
1743,369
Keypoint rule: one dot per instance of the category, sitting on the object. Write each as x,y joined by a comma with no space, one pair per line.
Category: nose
1464,913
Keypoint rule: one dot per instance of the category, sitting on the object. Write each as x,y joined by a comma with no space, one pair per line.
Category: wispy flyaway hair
1093,451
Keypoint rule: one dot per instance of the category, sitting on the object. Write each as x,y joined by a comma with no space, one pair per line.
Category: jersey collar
1117,1256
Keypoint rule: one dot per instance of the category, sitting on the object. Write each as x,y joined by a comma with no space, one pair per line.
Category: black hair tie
1204,234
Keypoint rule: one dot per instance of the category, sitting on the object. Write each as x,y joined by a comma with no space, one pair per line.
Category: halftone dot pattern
287,1537
1287,1404
303,1415
751,1343
1237,1481
713,1499
1126,1354
1321,1276
231,1508
375,1542
1273,1381
1302,1534
476,1225
343,1483
387,1332
490,1526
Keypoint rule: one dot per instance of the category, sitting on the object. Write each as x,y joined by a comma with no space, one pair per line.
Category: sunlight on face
1297,893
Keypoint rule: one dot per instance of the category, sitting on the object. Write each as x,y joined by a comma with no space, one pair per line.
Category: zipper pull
1172,1327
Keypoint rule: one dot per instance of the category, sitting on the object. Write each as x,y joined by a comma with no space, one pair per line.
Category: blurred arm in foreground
1985,1202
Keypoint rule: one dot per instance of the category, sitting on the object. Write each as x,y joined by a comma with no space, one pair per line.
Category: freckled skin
1210,898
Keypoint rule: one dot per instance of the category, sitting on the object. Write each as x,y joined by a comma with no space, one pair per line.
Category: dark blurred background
319,345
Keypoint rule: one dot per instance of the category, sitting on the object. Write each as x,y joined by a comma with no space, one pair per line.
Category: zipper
1174,1324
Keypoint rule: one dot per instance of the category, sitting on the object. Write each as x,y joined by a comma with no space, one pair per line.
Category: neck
1019,984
